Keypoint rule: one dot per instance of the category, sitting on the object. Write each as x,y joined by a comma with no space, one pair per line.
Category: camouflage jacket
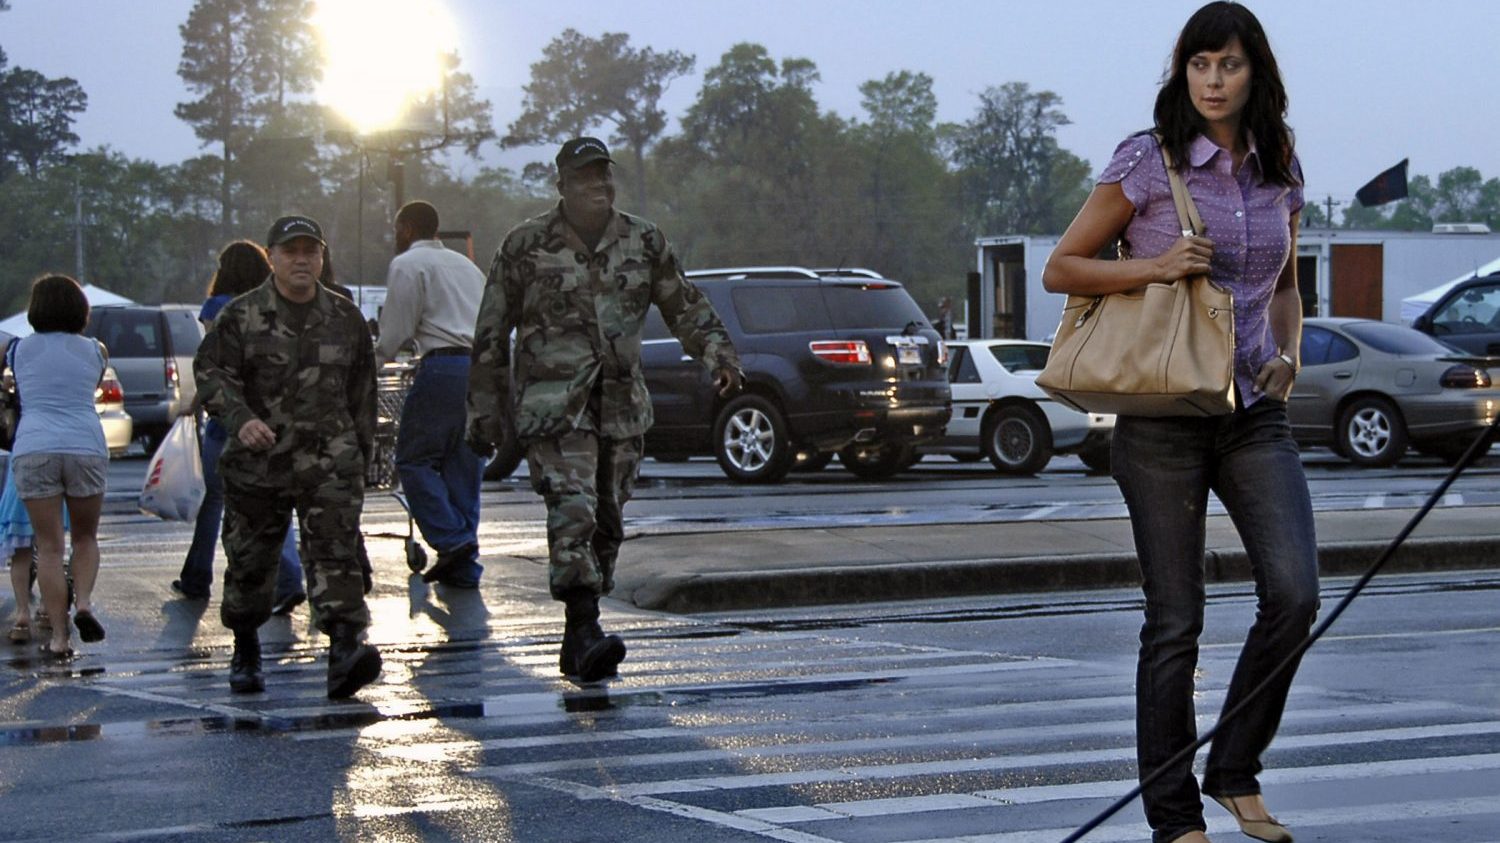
314,388
577,317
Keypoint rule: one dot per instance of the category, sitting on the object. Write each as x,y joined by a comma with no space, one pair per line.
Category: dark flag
1386,187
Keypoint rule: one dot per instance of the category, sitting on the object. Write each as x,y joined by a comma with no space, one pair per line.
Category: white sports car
999,412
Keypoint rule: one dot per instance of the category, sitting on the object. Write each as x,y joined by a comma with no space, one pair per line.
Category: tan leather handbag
1165,349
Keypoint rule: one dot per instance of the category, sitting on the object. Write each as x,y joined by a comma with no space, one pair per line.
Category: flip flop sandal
58,655
20,632
88,626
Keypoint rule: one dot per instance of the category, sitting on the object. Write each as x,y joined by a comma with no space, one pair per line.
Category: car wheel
811,461
1372,433
750,441
910,457
1017,440
1096,457
508,455
874,460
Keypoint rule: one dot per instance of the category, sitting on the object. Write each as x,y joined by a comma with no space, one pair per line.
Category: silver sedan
1371,389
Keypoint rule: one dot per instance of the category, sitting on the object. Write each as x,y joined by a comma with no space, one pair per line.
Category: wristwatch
1287,359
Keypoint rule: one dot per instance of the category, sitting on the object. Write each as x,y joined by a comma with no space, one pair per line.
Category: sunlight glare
381,57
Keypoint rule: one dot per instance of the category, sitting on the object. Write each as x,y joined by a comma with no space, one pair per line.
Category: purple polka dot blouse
1247,219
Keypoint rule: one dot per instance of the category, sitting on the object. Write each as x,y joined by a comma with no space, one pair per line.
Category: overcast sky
1370,81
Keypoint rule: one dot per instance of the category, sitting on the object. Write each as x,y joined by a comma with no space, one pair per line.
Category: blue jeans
439,474
198,568
1165,468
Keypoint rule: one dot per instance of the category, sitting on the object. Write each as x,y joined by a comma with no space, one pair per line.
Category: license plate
909,355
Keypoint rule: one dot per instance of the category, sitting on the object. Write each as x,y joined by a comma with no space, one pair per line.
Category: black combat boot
352,664
594,655
244,665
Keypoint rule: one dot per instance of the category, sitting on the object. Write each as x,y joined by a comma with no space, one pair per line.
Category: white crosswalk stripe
822,737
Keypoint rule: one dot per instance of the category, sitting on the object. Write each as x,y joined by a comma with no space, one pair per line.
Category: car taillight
850,352
171,372
110,392
1464,377
942,353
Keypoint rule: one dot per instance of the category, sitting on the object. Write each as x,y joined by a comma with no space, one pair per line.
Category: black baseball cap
290,228
580,151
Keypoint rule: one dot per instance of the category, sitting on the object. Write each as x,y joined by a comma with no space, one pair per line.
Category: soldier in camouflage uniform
574,285
288,368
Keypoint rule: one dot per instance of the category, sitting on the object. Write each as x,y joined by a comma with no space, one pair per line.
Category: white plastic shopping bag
174,480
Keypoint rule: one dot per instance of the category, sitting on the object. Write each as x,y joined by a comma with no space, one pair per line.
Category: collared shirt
1248,220
578,314
432,297
313,386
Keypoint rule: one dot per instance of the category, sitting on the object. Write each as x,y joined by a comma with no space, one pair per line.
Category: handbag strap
1187,212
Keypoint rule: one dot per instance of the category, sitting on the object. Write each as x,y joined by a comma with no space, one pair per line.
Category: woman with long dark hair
1220,115
242,267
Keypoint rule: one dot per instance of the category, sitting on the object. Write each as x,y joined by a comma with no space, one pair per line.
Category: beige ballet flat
1268,829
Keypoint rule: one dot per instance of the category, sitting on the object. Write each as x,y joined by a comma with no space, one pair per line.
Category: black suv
836,362
1466,316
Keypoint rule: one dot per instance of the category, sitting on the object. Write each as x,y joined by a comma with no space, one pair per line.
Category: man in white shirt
432,301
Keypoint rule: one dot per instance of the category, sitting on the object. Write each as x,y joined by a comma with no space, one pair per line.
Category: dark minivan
151,348
838,362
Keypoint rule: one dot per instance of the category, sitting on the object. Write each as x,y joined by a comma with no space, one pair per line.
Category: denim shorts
50,475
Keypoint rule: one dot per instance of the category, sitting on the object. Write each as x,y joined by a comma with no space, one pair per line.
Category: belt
447,351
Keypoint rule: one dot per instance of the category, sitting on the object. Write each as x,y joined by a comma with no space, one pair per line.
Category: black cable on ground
1478,446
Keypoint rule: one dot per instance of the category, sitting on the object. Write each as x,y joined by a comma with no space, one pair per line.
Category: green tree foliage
582,83
755,167
38,118
1015,176
242,58
1461,194
140,235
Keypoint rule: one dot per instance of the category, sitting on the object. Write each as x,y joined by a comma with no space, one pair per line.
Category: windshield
1395,339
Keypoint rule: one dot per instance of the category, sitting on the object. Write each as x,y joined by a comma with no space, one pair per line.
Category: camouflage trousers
585,480
255,523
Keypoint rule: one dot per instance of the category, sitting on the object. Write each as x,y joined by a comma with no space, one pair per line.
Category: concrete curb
692,593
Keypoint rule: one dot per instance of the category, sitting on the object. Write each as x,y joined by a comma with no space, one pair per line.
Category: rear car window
961,367
875,305
186,333
128,333
1321,346
1395,339
771,309
1021,358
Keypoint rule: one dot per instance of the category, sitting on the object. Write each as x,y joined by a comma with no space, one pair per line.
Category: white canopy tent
17,326
1414,306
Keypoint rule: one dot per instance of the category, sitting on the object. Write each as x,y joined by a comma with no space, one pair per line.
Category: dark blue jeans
198,568
1165,468
439,474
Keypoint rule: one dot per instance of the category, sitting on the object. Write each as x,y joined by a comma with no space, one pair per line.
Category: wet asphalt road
1000,720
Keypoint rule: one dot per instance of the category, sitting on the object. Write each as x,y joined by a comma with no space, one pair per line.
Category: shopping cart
391,385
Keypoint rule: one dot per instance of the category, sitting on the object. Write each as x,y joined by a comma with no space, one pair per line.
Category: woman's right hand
1188,257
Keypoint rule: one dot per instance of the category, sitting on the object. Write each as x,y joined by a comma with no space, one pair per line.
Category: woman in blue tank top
60,455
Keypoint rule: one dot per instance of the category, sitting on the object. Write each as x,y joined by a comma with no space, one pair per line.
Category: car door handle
1342,376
